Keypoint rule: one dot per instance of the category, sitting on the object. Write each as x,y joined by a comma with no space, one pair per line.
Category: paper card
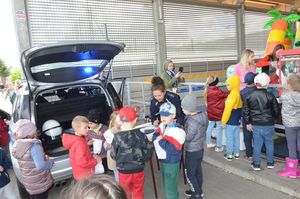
160,152
97,146
109,136
99,168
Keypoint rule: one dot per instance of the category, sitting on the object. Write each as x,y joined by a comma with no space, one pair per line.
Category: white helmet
52,128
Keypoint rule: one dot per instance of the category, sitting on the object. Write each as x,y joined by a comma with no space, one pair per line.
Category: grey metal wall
198,33
256,36
197,36
127,21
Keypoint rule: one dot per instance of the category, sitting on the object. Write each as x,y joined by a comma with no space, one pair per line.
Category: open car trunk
62,105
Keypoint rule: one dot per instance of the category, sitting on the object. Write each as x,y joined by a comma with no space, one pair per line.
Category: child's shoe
219,149
249,159
270,165
188,193
211,145
255,167
236,156
228,156
197,196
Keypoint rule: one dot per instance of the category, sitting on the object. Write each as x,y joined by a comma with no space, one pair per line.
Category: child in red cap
130,149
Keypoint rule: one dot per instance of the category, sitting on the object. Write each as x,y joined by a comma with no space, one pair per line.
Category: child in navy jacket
168,140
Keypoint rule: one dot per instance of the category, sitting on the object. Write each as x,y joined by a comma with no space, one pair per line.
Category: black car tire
22,191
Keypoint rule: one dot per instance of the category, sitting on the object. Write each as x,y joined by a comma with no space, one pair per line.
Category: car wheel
22,191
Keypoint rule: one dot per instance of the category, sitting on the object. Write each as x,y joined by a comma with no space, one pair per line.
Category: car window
17,108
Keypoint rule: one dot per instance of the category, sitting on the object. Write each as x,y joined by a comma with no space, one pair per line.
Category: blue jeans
232,139
219,129
263,135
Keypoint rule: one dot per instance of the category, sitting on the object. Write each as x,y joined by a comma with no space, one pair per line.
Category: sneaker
197,196
219,149
228,157
236,156
211,145
270,165
255,167
188,193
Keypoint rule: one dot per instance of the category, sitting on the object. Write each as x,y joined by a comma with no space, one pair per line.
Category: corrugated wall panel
256,36
196,32
128,21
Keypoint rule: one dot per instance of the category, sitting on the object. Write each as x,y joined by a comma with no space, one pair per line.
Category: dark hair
158,84
96,187
277,47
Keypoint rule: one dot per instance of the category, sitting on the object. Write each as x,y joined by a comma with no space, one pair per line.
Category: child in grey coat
195,128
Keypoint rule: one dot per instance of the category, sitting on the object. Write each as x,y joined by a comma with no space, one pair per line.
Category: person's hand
223,125
90,142
99,133
156,123
178,75
274,64
98,158
159,137
249,127
1,168
46,157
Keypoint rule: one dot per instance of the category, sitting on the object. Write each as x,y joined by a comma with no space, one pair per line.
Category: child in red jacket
215,102
82,162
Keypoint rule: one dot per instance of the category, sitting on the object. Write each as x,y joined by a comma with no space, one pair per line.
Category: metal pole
106,32
143,97
128,94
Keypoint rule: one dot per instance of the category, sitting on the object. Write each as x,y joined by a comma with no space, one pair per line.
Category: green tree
4,71
16,75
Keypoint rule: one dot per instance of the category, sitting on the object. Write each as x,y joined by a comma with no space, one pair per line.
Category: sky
8,42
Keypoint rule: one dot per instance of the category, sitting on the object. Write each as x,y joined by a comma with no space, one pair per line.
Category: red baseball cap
127,114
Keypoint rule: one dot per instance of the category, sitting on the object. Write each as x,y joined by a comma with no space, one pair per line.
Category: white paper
160,152
149,135
109,136
97,146
99,168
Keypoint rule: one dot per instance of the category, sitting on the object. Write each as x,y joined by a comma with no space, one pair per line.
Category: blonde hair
96,187
209,80
244,58
113,119
294,81
78,120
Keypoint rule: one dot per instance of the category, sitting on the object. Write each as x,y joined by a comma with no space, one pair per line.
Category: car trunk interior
63,105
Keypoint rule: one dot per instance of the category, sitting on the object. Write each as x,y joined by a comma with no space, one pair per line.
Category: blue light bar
88,69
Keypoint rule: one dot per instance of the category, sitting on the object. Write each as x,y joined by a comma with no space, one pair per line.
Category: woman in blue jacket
160,96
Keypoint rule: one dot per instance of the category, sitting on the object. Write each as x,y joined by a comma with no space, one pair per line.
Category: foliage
276,15
4,70
16,75
290,18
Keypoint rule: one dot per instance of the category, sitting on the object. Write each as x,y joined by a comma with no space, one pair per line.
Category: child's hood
292,97
234,82
68,140
22,146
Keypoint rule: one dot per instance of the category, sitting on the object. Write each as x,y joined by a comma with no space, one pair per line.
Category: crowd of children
124,149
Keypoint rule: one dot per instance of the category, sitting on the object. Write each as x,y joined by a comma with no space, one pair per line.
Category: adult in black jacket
260,111
160,96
